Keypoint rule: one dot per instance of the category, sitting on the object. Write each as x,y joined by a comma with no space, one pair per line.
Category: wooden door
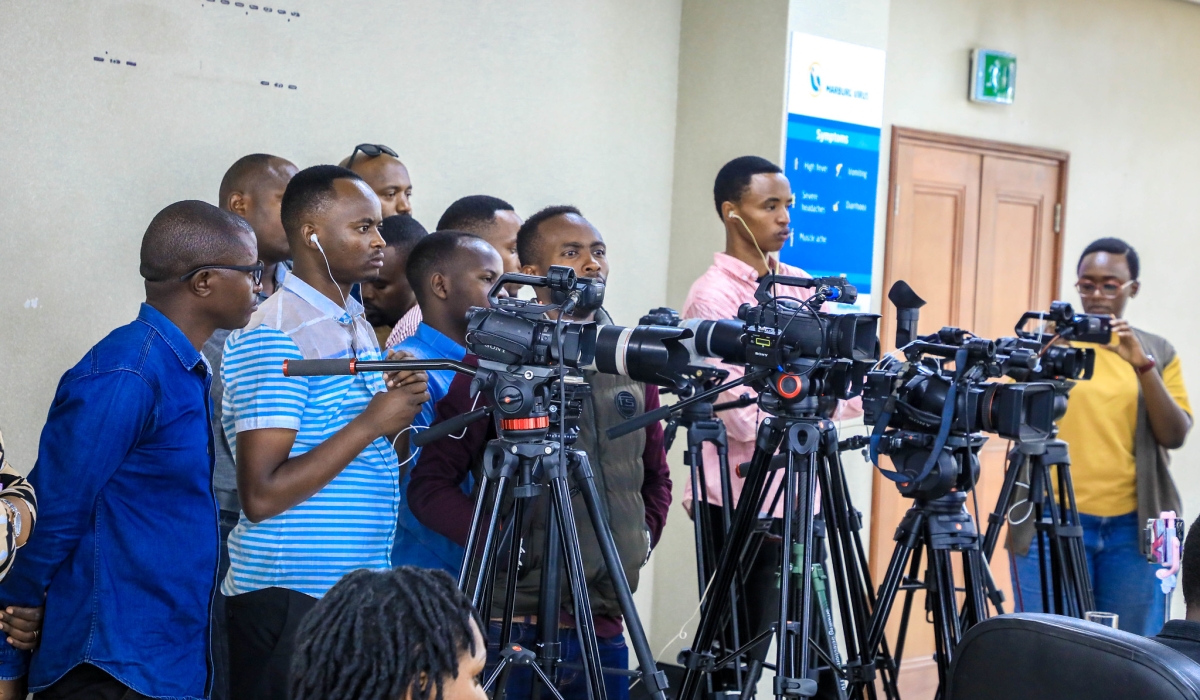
974,228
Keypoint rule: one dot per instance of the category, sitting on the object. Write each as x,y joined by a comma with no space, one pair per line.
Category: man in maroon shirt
632,475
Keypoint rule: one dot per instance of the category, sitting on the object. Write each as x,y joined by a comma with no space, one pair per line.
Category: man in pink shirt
752,197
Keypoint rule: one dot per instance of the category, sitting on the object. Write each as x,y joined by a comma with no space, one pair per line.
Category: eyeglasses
370,150
255,270
1108,290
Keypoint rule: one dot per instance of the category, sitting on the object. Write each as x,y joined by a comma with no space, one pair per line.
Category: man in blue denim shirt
449,271
125,553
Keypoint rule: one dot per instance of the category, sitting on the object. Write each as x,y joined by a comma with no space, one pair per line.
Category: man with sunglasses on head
381,169
1119,425
318,477
124,557
253,189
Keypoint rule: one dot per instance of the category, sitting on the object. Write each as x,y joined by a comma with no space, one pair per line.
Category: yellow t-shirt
1100,426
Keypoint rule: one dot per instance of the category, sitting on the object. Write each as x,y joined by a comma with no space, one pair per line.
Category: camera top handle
559,278
828,288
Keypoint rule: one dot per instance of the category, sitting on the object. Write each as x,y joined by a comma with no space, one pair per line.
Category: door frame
905,135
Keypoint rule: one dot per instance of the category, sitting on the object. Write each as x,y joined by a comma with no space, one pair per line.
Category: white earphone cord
766,260
329,269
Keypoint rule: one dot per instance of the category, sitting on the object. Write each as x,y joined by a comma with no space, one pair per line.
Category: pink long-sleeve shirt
718,294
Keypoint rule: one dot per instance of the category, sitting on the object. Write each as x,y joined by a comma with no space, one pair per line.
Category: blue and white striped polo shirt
350,523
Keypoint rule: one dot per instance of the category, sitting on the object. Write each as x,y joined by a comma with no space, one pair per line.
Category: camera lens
651,354
719,339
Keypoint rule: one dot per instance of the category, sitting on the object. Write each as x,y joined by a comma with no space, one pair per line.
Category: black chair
1033,656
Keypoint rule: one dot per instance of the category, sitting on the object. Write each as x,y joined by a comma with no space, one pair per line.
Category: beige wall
1114,83
537,102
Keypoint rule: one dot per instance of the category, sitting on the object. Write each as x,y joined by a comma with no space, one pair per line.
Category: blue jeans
1122,580
571,682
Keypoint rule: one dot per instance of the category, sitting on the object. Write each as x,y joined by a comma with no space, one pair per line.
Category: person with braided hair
400,634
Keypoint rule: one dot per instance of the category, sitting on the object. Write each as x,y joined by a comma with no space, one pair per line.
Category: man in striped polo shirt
318,477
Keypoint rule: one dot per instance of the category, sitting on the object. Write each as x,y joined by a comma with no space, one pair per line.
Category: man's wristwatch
15,518
1150,364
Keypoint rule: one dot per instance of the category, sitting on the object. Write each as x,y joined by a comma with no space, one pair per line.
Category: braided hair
377,634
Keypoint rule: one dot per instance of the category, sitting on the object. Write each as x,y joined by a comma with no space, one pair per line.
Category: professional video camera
792,350
919,407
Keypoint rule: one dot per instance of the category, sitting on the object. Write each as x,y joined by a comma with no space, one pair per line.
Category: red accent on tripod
535,423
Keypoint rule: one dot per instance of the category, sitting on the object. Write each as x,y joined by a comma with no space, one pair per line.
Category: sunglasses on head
370,150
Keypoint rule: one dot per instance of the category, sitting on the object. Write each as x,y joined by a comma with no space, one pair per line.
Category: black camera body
801,352
515,333
920,406
1053,361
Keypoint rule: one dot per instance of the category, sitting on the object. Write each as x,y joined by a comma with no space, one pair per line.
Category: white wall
539,102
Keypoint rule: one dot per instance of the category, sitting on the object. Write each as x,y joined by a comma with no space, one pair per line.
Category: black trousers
220,636
87,682
262,634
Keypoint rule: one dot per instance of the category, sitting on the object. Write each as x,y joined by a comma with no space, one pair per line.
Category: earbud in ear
313,238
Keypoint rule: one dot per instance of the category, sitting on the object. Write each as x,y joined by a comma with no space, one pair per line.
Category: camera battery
763,346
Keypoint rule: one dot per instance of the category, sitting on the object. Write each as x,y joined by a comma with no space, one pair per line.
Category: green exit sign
993,76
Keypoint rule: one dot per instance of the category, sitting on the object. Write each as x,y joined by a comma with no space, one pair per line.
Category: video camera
792,351
920,407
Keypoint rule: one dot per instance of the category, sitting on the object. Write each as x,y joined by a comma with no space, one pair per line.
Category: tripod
935,528
1066,584
703,427
520,466
809,457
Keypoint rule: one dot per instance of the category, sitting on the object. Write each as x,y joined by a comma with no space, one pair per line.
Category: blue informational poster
834,171
831,159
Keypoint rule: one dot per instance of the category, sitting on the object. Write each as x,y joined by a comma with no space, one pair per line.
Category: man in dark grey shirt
1184,635
253,189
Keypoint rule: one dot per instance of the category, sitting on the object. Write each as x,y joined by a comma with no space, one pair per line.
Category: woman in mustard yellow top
1119,426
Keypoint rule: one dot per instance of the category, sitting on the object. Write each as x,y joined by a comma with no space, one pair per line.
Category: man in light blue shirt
318,479
450,272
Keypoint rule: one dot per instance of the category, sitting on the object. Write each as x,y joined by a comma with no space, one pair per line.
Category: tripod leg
793,651
841,533
489,542
1078,551
1016,461
940,580
488,579
584,624
857,586
700,523
510,582
908,535
914,573
549,601
655,680
486,487
745,518
975,570
738,613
